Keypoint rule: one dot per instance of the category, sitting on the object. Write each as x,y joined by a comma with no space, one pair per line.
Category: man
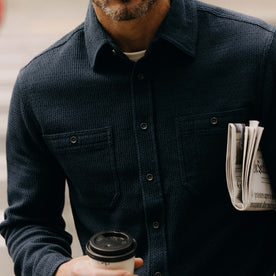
142,143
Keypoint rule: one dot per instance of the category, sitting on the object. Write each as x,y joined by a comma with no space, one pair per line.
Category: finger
138,262
111,272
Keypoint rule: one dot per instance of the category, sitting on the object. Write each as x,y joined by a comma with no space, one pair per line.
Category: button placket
148,163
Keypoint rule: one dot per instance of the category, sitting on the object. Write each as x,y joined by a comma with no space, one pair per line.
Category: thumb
138,262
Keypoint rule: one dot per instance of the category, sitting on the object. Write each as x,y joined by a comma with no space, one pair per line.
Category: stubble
124,11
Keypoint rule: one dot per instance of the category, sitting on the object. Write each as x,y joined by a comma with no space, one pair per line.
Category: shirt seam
213,12
61,42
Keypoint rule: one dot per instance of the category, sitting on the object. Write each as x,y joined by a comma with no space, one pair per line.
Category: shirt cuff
49,267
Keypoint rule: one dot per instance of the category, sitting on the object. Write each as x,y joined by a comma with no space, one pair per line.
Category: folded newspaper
247,179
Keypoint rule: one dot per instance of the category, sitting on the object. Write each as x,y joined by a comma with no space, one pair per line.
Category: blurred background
29,26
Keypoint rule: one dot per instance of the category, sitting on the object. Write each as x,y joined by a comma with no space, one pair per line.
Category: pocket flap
79,140
216,121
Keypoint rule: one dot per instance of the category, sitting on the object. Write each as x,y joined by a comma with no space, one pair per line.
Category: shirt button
143,126
140,76
157,274
114,52
156,225
73,140
214,120
149,177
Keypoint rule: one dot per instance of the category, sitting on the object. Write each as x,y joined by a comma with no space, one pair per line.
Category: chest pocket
202,141
87,158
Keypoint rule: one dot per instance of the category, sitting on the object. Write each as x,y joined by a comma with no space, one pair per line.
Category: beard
124,10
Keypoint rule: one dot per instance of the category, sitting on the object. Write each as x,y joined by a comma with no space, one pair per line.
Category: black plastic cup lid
111,246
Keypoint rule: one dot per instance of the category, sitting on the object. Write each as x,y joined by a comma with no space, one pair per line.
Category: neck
136,34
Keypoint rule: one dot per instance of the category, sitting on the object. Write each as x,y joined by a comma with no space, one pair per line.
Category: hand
82,266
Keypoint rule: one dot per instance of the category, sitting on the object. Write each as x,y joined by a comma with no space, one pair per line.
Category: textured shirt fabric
142,145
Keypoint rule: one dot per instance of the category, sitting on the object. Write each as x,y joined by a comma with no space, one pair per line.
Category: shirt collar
95,35
179,28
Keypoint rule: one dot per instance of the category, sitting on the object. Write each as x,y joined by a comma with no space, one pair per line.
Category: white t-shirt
135,56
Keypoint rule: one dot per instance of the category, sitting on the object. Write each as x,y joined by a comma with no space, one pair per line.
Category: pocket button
214,120
73,140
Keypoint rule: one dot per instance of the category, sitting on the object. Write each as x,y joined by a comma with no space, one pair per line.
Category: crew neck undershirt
135,56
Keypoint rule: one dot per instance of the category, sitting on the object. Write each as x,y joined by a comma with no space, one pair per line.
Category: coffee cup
112,250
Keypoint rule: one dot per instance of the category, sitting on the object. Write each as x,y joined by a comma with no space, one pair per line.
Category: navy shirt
142,145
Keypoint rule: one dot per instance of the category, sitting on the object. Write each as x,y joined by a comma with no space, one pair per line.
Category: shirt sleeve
33,227
268,144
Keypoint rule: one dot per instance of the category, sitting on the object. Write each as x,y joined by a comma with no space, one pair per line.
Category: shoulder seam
61,43
237,19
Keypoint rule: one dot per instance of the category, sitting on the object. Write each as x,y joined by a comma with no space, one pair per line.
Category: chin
123,10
